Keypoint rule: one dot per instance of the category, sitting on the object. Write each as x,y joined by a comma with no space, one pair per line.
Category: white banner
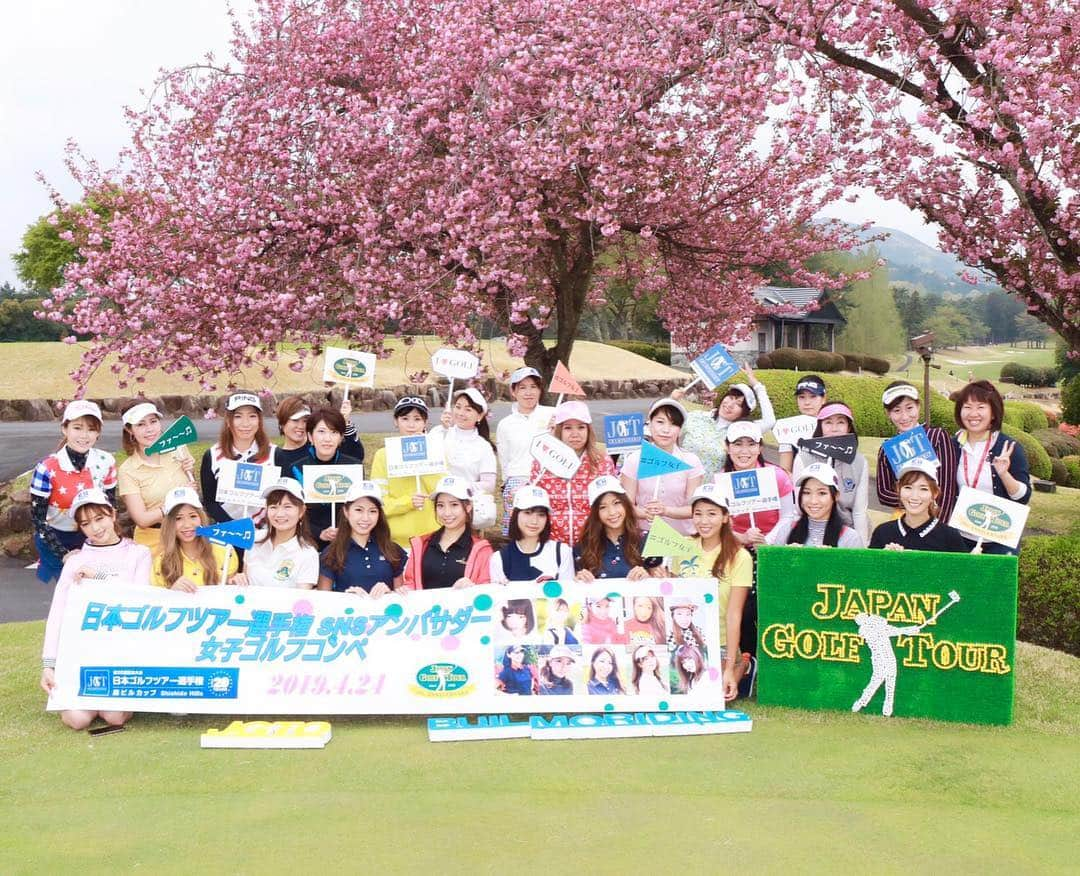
790,429
455,364
242,483
489,649
349,366
329,483
989,517
750,491
408,455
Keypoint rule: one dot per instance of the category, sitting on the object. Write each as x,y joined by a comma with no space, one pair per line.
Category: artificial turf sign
906,633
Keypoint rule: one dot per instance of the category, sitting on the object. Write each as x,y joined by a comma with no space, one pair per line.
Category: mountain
912,261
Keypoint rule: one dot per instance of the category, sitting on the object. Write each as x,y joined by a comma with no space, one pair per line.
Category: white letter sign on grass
989,517
278,651
350,367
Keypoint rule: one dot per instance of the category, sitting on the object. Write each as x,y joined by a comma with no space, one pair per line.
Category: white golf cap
474,395
894,393
301,414
528,496
743,429
138,412
364,490
666,403
709,493
928,467
519,374
81,408
562,651
572,410
604,484
180,496
747,393
459,488
240,399
93,496
289,485
819,471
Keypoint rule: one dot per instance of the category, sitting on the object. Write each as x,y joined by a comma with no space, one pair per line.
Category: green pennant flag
664,541
179,433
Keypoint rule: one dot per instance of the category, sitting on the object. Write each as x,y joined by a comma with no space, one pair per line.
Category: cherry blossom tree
424,164
968,111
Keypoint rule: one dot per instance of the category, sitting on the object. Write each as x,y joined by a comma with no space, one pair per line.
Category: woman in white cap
820,523
570,498
185,560
664,495
901,402
532,554
242,439
919,528
721,555
407,500
515,432
287,554
467,440
76,465
645,679
555,677
453,555
610,545
144,480
362,559
703,433
743,443
104,555
836,420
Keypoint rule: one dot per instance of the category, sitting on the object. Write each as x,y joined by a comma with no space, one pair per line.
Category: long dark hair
833,527
594,536
225,439
729,544
339,548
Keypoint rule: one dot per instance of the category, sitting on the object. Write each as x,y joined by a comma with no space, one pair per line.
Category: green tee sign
906,633
180,432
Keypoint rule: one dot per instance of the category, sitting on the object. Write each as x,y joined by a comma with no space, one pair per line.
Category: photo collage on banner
603,645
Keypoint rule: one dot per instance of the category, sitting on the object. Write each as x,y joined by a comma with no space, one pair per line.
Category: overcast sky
69,67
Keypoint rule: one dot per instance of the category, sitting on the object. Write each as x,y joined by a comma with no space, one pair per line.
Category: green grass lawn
803,791
984,363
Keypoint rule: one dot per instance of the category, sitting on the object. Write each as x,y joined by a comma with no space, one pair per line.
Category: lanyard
982,462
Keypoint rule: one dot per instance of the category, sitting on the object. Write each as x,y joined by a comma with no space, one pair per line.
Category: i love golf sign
905,633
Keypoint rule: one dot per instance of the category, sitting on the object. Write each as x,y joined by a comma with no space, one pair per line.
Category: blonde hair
172,556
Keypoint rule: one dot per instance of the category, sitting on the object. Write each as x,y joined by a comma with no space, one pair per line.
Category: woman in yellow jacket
406,502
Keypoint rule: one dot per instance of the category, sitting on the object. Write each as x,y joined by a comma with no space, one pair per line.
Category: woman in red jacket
452,555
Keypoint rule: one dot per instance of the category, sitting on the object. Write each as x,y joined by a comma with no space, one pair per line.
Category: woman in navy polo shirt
610,545
326,432
362,558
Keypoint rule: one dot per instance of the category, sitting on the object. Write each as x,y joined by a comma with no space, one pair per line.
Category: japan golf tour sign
409,455
750,491
623,431
714,366
242,483
350,367
909,445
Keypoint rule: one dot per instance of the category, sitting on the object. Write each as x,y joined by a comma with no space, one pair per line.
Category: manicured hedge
1026,415
1057,443
1026,375
862,362
1072,466
1070,401
1038,458
657,352
788,358
1049,606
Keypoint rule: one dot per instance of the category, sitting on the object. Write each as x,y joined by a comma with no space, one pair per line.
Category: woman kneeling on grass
104,554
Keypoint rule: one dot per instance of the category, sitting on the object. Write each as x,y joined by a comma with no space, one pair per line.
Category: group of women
401,533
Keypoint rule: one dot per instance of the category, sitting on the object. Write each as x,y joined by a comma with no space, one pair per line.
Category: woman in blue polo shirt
362,558
610,545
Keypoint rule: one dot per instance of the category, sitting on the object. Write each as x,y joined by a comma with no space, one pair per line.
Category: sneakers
746,683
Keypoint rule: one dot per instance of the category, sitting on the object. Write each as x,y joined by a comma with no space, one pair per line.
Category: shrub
1059,474
878,366
1072,465
1038,458
1057,443
1048,613
1070,401
1026,415
790,359
1026,375
657,352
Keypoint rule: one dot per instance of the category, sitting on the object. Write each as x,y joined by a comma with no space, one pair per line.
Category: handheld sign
329,483
554,456
989,517
665,541
750,491
349,367
841,447
563,383
242,483
454,364
655,462
408,455
623,431
234,533
713,367
790,429
912,444
179,433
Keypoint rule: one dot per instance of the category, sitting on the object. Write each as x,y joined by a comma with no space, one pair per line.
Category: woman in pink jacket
104,555
452,555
